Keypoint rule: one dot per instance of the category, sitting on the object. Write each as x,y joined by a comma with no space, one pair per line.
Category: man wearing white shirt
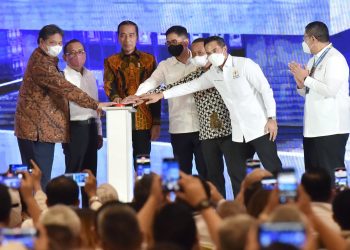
324,84
247,95
183,116
85,125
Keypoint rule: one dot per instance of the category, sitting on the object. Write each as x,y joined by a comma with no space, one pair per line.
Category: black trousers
81,152
267,153
186,145
42,153
326,152
213,151
141,143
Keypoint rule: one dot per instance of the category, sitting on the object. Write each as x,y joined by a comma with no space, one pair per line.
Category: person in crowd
85,124
123,74
247,95
5,206
318,185
183,116
340,208
63,227
118,227
325,86
42,112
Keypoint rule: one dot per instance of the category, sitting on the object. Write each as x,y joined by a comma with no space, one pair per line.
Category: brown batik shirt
42,112
122,76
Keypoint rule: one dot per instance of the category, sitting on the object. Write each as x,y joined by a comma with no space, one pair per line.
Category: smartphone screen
269,183
287,185
12,181
79,178
143,165
341,178
170,174
292,233
252,164
26,236
15,168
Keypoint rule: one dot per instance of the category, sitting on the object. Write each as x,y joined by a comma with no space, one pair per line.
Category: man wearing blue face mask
324,84
183,116
249,99
42,113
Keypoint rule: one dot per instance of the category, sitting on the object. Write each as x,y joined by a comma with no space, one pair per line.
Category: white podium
120,169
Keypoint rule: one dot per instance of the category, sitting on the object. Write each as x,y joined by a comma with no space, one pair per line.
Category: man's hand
36,175
155,132
99,141
299,72
193,191
151,98
90,184
132,99
26,188
117,100
271,127
102,105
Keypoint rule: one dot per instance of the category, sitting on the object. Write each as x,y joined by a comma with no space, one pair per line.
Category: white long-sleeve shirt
327,105
87,83
183,116
245,91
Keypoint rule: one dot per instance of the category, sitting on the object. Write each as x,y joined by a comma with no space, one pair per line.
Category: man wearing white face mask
247,95
42,113
215,130
324,84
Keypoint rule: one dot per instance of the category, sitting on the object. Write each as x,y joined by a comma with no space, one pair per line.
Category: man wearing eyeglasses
85,124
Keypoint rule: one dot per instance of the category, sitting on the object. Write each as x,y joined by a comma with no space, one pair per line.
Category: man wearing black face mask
183,116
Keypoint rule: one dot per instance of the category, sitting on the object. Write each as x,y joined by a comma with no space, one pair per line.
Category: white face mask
217,59
199,61
54,50
306,48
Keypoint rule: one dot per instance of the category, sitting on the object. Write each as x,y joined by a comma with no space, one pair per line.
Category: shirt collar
135,53
71,71
323,50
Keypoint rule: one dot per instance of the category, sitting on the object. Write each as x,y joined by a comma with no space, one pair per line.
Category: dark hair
60,237
178,30
174,223
65,47
198,40
48,31
127,22
62,190
5,204
219,40
142,190
318,184
118,227
341,208
319,30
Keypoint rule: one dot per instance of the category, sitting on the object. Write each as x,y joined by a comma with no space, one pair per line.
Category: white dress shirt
327,105
183,116
245,91
87,83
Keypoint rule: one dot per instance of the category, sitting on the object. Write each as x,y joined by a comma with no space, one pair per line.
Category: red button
119,105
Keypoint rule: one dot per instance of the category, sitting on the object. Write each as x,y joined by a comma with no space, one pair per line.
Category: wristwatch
272,118
204,204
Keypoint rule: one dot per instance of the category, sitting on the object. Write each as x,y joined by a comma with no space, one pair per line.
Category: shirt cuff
308,81
166,94
271,113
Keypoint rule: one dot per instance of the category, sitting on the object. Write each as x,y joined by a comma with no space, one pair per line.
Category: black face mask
175,50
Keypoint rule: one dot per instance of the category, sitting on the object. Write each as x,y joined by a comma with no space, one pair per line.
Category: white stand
120,170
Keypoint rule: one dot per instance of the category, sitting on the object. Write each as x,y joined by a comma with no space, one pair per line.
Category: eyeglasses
74,53
172,42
